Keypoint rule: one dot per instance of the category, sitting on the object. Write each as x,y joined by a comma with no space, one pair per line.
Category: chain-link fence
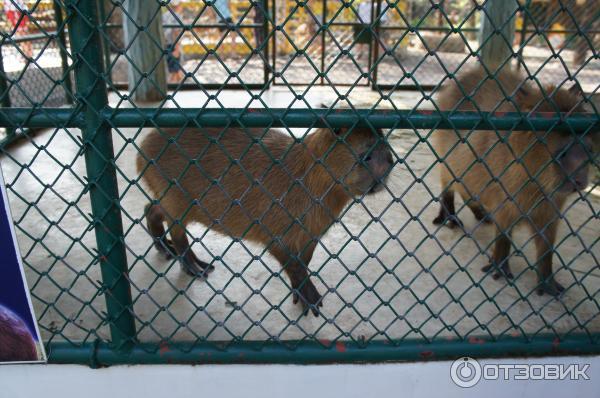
396,49
33,58
546,38
162,225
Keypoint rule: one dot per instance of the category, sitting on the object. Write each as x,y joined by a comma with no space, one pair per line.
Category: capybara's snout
380,164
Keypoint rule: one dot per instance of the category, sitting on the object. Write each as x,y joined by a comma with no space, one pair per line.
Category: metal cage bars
93,115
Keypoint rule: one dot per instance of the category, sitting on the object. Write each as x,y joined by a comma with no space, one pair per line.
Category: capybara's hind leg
545,228
296,267
189,262
479,212
499,262
447,214
155,217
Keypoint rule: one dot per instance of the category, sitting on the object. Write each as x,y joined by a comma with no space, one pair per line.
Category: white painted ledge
416,379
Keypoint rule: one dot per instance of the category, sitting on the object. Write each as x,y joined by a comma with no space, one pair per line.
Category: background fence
394,285
546,25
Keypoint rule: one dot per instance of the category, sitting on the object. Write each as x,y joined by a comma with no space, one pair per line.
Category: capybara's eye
365,156
560,154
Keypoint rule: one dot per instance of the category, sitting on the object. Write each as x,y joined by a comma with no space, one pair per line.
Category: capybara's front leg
155,218
295,265
447,215
499,262
191,264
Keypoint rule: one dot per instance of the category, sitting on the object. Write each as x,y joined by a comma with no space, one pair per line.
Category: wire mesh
32,57
279,207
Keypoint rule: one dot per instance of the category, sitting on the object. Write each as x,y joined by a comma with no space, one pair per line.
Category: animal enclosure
345,84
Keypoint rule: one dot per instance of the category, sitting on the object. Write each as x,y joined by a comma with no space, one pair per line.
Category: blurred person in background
223,14
173,15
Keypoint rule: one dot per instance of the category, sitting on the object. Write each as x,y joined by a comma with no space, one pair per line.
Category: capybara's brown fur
265,187
508,177
16,342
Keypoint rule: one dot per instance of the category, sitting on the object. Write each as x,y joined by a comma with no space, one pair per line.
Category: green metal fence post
323,39
374,36
265,34
274,38
99,157
523,32
374,51
106,46
62,49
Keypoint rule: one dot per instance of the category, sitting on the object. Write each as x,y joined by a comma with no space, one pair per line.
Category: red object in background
14,16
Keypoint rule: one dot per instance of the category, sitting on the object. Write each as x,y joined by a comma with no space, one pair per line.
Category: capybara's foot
503,271
550,286
309,298
165,246
196,268
449,220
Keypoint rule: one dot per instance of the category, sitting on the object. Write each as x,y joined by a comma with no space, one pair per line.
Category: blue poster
19,334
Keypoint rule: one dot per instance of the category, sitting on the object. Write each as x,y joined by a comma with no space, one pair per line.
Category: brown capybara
16,342
265,187
507,177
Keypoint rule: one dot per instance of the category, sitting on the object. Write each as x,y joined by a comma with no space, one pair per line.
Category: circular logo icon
465,372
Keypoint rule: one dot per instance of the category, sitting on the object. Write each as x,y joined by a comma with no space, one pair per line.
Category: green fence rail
98,311
276,117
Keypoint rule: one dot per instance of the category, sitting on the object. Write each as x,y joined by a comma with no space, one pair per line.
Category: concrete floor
409,288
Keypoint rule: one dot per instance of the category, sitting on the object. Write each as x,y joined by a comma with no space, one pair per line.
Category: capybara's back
211,176
476,91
